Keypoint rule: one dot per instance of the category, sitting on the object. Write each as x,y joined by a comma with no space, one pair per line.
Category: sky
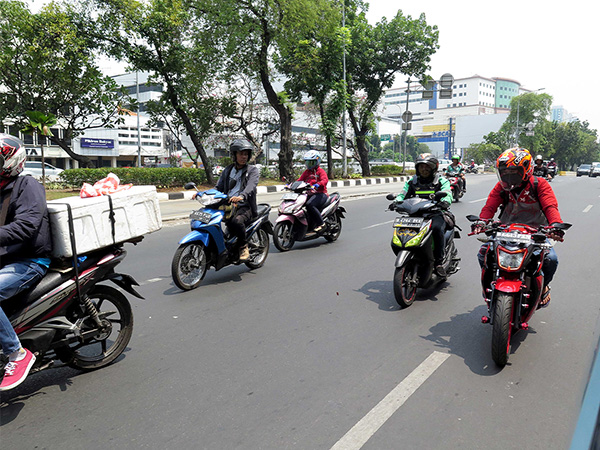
540,44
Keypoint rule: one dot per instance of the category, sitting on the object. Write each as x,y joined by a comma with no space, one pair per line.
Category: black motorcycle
70,316
412,243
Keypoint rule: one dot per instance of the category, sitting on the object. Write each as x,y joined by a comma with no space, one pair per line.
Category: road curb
163,196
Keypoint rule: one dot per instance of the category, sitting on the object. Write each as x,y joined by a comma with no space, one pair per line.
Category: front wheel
283,236
259,249
189,265
106,344
335,227
502,328
405,284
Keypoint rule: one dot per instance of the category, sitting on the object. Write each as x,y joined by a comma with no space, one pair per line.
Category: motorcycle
70,316
293,225
209,244
412,243
457,191
512,278
471,169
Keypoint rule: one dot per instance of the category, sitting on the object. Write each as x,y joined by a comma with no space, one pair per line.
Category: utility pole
344,162
406,120
139,138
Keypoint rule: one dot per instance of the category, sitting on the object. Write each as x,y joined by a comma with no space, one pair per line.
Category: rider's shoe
16,371
244,253
439,269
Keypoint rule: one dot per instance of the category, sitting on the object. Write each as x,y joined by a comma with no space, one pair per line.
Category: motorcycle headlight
510,260
208,200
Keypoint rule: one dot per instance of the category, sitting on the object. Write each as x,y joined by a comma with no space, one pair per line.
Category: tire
283,236
189,265
502,328
259,249
331,237
114,309
405,284
455,195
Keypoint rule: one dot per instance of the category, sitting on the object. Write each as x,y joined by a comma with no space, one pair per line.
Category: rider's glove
478,227
444,205
315,186
556,234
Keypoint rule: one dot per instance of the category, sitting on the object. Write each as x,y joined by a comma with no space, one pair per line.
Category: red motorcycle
455,186
512,279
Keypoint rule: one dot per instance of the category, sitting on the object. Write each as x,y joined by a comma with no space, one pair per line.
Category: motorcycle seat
50,281
331,199
263,209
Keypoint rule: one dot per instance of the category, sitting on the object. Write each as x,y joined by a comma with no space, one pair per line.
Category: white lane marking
360,433
477,201
377,225
151,280
588,207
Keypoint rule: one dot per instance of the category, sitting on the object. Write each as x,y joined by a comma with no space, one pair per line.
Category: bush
387,169
170,177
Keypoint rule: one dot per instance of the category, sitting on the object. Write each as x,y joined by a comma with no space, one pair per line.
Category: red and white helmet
12,156
514,167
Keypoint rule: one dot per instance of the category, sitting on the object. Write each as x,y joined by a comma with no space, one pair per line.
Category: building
478,106
560,114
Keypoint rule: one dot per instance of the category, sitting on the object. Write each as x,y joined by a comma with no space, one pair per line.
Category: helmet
429,159
514,167
539,158
551,159
12,156
239,145
455,156
312,159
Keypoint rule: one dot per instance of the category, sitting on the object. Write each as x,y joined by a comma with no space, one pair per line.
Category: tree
170,40
257,37
375,56
40,123
48,64
483,152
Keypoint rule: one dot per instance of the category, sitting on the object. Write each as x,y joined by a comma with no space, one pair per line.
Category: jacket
534,205
418,187
316,176
26,232
249,184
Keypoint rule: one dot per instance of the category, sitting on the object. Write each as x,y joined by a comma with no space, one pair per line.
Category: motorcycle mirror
190,185
390,197
563,226
472,218
439,195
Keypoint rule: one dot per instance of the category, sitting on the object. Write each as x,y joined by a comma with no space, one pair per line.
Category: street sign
407,126
445,93
406,116
385,137
428,92
446,81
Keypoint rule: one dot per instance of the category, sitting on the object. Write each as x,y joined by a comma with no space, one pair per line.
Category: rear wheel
283,236
259,249
107,343
405,284
189,265
335,224
502,328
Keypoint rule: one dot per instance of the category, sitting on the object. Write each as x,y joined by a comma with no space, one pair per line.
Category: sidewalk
162,196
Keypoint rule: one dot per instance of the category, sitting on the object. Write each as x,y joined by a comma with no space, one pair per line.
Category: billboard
97,143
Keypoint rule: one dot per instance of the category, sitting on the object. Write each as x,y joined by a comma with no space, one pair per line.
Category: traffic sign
407,126
406,116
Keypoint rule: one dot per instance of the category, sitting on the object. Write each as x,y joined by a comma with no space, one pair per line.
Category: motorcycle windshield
415,205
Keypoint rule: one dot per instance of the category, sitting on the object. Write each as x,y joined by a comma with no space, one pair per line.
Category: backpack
505,196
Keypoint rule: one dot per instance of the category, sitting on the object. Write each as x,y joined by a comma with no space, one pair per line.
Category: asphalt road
312,352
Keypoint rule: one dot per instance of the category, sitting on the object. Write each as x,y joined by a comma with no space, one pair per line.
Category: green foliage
387,169
483,153
159,177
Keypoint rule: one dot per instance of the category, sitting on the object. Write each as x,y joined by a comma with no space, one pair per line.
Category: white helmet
539,157
312,159
12,156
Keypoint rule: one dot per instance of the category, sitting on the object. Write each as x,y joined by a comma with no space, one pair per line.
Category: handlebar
489,226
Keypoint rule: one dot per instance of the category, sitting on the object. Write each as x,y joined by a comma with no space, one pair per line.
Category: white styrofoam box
136,212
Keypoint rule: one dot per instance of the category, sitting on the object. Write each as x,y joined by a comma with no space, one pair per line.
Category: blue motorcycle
209,243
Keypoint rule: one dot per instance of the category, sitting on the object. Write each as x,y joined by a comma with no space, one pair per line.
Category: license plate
289,196
408,222
514,237
201,216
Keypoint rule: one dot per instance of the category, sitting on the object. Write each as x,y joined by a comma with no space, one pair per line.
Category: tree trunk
360,136
84,161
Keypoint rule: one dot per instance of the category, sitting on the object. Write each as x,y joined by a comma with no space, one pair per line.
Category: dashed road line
377,225
588,207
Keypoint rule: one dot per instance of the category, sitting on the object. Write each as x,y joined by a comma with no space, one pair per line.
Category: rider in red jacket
317,178
524,199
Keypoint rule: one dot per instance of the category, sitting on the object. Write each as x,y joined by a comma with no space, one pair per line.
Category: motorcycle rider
523,198
25,246
317,178
239,181
424,183
552,167
457,169
540,169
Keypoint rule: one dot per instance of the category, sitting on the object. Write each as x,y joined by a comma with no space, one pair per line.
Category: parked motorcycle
457,191
70,316
210,244
412,243
512,278
293,224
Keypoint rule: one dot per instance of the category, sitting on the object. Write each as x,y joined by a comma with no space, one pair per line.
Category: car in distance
595,171
34,168
584,169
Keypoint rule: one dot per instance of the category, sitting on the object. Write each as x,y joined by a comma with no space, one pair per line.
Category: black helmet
429,159
239,145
